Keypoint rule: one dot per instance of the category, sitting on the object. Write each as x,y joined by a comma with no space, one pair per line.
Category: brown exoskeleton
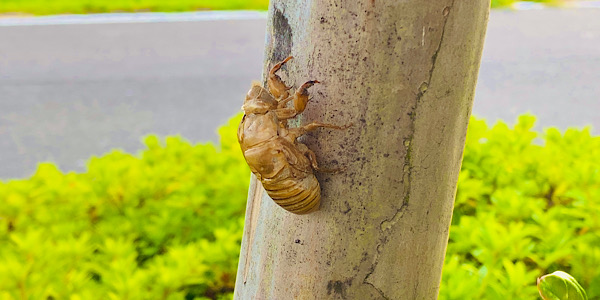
283,165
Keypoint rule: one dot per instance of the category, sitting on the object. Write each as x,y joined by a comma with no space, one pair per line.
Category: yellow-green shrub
167,224
525,207
163,225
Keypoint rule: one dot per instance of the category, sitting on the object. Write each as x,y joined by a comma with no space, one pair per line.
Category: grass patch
50,7
508,3
167,223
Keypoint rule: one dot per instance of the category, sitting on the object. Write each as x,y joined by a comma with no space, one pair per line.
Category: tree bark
404,73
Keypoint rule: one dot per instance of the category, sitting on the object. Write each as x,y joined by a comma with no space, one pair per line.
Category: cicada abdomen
284,166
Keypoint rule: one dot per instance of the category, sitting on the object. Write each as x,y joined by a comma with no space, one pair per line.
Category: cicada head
258,100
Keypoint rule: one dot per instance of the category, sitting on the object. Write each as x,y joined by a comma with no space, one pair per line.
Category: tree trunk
404,73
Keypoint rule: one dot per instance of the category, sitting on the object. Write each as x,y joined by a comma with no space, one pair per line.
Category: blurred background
76,86
79,78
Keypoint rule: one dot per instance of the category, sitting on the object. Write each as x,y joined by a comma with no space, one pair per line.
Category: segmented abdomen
286,175
299,196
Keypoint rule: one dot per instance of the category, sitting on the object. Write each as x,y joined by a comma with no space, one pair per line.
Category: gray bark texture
404,73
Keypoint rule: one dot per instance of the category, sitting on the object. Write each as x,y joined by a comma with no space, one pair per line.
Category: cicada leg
284,114
284,102
300,97
276,86
313,160
294,133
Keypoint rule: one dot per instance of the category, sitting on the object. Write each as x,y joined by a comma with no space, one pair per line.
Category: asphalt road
68,92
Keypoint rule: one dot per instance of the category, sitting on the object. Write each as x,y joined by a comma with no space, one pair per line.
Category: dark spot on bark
282,44
386,155
364,257
348,208
338,287
297,241
323,20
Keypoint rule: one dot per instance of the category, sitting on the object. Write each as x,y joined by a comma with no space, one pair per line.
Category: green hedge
167,224
525,206
47,7
508,3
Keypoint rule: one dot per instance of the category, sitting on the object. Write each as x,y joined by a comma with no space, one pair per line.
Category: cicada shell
284,166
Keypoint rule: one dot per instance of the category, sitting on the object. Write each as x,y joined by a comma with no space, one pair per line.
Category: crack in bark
384,226
388,223
376,288
434,57
422,90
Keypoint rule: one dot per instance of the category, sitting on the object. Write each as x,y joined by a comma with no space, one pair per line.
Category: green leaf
560,286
